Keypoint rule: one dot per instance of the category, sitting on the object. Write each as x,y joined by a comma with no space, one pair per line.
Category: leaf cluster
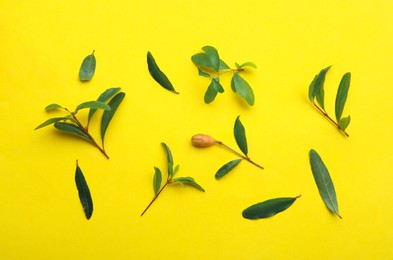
211,66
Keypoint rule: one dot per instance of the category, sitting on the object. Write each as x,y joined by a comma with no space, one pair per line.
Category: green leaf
84,192
342,94
248,64
223,65
188,181
212,90
324,182
157,180
72,129
202,73
53,106
107,94
176,170
169,159
311,89
344,122
108,115
227,168
87,68
209,59
51,121
158,75
243,89
92,104
240,136
319,91
268,208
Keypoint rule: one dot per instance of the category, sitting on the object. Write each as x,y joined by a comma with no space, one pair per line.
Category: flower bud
201,140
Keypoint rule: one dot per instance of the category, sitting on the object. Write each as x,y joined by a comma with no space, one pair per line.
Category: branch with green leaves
211,66
157,179
316,94
71,124
202,140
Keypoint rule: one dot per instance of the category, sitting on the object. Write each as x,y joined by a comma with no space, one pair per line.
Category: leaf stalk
330,119
239,154
155,196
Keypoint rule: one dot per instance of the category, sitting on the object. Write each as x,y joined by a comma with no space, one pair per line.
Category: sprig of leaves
158,75
211,66
84,192
202,140
88,67
71,124
316,92
158,187
268,208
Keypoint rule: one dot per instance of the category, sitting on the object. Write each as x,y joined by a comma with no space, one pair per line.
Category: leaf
107,94
157,180
227,168
202,73
324,182
319,91
51,121
84,192
248,64
311,89
108,115
53,106
212,90
73,129
243,89
188,181
158,75
209,59
342,94
169,159
87,68
240,136
223,65
176,170
92,104
344,122
268,208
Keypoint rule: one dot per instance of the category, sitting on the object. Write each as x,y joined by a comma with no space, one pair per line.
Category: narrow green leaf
53,106
319,91
84,192
51,121
344,122
72,129
202,73
158,75
268,208
157,180
311,89
209,59
227,168
342,94
169,159
92,104
108,114
243,88
248,64
223,65
188,181
176,170
107,94
210,93
87,68
240,136
217,85
324,182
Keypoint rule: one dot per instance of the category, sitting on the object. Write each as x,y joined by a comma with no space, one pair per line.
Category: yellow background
42,46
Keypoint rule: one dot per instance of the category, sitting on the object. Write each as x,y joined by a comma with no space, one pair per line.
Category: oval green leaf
342,94
210,59
53,106
324,182
210,93
107,94
51,121
158,75
227,168
188,181
84,192
93,104
344,122
157,180
268,208
169,159
240,136
72,129
87,68
108,115
243,88
318,90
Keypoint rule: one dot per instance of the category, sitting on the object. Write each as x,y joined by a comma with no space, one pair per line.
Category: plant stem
330,119
220,72
238,154
155,197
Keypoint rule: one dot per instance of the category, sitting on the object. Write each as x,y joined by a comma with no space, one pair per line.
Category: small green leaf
108,115
107,94
53,106
243,89
342,94
176,170
344,122
158,75
223,65
248,64
210,94
87,68
92,104
324,182
209,59
268,208
169,159
202,73
311,89
72,129
240,136
227,168
51,121
84,192
188,181
319,91
157,180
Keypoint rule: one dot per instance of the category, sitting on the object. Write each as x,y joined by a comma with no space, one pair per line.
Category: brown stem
155,197
330,119
240,155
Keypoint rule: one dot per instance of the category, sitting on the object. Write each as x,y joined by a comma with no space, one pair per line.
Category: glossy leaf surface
227,168
344,122
53,106
243,88
93,104
240,136
51,121
342,94
157,180
84,192
158,75
107,94
324,182
268,208
72,129
87,68
108,115
188,181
